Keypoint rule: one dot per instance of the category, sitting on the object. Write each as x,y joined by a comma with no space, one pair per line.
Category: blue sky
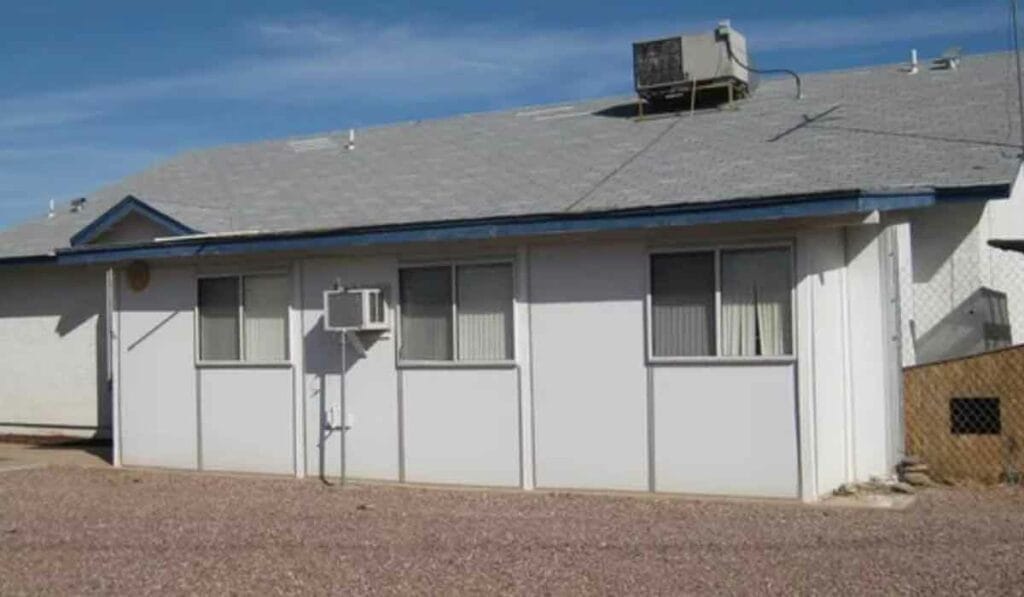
92,91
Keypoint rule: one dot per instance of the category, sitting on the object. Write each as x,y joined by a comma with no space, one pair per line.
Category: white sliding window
459,312
753,318
243,319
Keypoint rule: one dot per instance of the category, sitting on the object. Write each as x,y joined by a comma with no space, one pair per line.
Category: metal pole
342,426
1020,84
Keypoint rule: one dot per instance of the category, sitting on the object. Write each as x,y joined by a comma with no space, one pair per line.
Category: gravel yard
67,529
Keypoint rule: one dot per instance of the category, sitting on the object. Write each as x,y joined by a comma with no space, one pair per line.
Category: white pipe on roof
209,235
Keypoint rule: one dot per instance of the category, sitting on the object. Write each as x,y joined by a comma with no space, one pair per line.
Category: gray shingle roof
881,129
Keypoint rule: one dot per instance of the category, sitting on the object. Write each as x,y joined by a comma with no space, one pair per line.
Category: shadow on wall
937,234
322,358
75,299
978,324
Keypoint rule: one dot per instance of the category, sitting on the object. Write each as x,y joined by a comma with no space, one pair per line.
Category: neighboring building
960,296
699,302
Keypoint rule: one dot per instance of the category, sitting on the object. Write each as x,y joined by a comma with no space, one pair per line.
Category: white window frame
717,358
241,362
455,363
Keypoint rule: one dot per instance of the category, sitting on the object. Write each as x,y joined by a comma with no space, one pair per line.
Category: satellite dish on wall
138,275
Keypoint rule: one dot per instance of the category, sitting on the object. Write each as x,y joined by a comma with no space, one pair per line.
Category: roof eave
750,210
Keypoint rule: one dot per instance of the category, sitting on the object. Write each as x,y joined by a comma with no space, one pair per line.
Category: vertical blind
756,310
265,310
484,308
218,319
683,304
426,299
756,303
481,306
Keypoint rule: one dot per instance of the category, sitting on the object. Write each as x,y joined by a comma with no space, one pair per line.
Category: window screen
218,319
683,304
756,303
265,310
426,300
484,310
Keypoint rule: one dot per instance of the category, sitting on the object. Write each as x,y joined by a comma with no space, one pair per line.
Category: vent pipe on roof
52,211
913,63
351,139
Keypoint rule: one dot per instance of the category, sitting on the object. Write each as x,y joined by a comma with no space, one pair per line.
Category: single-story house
707,301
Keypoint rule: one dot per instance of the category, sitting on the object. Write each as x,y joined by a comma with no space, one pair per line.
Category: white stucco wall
822,360
246,419
581,407
461,426
52,362
589,378
371,381
157,382
847,357
870,385
726,430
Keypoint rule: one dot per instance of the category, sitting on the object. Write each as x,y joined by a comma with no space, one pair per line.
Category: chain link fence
962,333
965,417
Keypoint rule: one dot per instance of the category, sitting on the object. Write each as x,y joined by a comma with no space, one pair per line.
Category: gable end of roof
128,206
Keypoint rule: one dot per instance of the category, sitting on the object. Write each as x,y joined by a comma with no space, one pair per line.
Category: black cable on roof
767,71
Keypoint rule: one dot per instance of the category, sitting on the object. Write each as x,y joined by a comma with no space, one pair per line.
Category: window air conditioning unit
356,310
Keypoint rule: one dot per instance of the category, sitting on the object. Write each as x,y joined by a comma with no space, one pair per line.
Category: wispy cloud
307,60
845,32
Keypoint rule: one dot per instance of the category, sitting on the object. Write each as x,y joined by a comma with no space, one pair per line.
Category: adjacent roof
873,129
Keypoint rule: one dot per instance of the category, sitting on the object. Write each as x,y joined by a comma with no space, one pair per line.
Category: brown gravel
75,530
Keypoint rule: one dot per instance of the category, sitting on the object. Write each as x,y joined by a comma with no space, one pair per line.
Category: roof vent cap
949,60
313,144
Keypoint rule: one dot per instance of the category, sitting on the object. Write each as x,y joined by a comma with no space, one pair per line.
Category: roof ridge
513,110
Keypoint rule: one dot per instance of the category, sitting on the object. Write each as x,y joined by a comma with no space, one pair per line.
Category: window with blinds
243,318
722,302
456,312
683,304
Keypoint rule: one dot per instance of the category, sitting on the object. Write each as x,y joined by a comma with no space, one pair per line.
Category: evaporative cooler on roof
673,66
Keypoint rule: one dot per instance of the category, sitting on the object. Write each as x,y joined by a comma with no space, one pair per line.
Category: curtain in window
426,299
484,311
756,303
266,318
683,304
218,319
